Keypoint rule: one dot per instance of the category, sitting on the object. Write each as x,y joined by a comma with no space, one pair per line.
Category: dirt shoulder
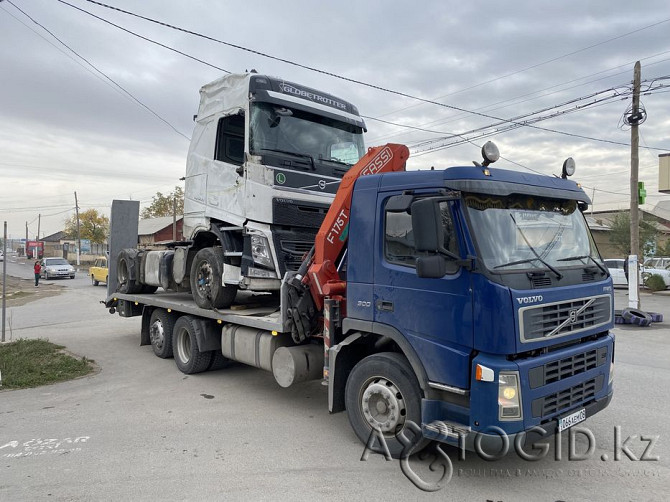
22,291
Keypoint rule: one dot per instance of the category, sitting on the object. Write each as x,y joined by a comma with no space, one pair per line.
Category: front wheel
382,394
188,357
93,281
207,286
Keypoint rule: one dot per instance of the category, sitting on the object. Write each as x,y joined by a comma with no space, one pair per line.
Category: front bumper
553,386
499,442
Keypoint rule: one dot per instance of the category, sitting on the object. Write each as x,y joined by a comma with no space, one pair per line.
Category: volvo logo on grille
573,316
322,184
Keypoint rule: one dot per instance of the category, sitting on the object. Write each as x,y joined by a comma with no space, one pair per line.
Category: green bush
655,282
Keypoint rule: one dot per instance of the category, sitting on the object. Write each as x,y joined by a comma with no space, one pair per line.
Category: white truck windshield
524,232
279,129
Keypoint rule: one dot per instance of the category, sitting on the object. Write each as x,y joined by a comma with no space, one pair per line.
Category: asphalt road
141,430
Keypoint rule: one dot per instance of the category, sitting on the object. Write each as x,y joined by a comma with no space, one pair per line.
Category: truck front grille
566,399
564,318
555,371
294,253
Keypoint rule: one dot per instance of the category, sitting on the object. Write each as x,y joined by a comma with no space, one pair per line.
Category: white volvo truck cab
265,161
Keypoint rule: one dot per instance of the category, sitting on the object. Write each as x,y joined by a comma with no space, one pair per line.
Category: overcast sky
65,128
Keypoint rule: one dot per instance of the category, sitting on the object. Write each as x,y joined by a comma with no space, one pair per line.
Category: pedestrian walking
37,269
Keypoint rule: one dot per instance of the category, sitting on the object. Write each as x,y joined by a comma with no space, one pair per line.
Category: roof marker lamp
568,168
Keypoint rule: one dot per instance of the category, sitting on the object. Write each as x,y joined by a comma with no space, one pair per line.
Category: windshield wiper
296,154
518,262
586,256
559,276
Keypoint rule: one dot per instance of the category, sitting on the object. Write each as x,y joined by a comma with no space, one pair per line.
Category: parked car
99,271
616,268
56,267
2,256
658,262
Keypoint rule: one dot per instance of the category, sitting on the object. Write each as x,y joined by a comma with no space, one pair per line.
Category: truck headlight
260,251
509,396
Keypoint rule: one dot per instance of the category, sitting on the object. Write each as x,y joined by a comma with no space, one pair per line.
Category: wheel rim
157,334
122,274
184,345
383,406
204,278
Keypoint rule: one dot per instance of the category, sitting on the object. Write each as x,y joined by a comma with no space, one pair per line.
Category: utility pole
4,282
39,224
76,207
633,263
174,218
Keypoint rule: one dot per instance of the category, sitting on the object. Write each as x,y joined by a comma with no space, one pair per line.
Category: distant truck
469,301
35,250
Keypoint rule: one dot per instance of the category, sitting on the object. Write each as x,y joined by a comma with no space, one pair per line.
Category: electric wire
100,71
341,77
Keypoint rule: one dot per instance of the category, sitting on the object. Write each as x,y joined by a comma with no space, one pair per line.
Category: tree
162,205
620,235
92,225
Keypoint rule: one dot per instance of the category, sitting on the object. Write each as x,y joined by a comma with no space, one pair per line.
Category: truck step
232,253
447,428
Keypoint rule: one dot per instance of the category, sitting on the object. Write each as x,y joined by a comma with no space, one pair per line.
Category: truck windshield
524,232
289,131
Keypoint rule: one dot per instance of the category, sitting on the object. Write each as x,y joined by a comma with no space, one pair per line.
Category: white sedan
616,269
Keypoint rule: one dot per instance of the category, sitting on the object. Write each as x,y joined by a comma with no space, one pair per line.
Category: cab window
230,140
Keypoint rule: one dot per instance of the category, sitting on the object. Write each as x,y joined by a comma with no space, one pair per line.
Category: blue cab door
434,315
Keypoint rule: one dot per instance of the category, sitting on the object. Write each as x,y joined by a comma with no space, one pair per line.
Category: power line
341,77
516,72
514,102
145,38
100,71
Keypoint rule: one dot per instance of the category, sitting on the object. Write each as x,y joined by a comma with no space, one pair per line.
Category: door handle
384,306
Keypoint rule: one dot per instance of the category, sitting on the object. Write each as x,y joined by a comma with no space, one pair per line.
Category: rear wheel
188,357
161,325
93,281
383,394
207,286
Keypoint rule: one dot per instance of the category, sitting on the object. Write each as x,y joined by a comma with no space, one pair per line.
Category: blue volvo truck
468,303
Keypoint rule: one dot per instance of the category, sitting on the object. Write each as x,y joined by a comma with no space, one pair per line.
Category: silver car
56,267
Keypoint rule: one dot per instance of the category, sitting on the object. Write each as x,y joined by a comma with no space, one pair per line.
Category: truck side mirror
427,226
431,267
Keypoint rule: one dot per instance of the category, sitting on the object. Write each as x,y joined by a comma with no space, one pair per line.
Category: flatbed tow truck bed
254,311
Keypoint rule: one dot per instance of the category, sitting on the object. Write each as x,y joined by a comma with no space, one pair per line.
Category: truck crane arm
318,273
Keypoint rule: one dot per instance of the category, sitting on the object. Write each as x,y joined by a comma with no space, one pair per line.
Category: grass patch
31,363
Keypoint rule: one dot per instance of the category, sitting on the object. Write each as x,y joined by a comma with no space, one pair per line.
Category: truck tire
93,281
147,290
636,316
383,391
161,326
188,357
219,361
206,280
126,272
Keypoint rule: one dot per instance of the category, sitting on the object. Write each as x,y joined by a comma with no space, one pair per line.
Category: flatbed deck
254,311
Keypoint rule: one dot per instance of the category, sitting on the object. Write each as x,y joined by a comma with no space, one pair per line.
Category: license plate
572,419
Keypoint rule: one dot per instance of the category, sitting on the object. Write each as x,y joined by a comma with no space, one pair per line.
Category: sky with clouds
66,127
